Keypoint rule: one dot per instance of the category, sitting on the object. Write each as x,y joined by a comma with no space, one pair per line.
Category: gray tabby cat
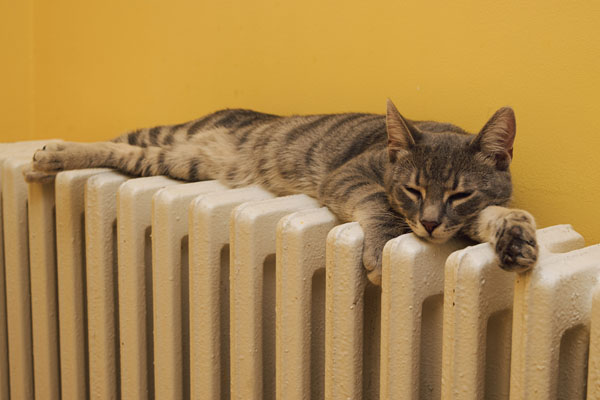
390,174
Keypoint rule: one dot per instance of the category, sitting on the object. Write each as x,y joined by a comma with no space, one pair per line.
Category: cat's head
439,177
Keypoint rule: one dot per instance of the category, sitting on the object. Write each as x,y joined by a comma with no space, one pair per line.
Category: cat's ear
495,141
400,137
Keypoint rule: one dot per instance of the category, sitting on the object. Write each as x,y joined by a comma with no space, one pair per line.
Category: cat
391,174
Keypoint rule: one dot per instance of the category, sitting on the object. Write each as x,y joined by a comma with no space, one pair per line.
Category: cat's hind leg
61,156
130,159
206,157
32,175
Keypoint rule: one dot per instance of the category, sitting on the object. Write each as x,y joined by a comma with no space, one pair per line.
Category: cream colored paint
4,369
413,276
70,245
594,357
553,303
209,334
101,283
345,285
16,276
300,254
552,308
253,240
477,292
44,304
170,207
15,297
134,230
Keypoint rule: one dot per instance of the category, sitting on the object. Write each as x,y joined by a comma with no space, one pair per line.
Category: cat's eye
459,196
413,191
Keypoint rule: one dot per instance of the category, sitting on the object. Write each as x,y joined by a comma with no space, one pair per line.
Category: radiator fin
169,269
555,298
134,221
412,280
252,243
209,288
16,275
44,296
101,278
301,239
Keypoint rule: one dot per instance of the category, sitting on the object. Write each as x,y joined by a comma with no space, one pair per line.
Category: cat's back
260,128
316,139
295,129
328,140
293,153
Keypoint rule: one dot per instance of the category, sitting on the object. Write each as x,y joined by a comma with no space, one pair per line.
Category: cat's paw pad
516,243
372,260
50,158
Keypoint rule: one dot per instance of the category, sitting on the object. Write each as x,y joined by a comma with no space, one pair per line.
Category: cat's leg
61,156
512,234
32,175
206,156
380,224
354,197
130,159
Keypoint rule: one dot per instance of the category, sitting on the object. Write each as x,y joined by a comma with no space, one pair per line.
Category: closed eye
459,196
413,191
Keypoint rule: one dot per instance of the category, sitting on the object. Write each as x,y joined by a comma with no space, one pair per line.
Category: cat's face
441,181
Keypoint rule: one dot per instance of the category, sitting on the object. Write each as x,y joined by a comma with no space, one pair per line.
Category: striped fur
390,174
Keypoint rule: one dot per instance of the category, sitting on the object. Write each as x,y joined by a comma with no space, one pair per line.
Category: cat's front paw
516,244
373,259
32,175
51,158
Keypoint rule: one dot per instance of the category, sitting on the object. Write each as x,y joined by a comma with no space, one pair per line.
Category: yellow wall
103,67
16,70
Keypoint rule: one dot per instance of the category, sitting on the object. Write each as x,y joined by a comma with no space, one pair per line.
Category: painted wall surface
16,70
104,67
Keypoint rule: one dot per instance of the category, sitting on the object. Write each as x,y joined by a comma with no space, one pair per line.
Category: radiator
138,288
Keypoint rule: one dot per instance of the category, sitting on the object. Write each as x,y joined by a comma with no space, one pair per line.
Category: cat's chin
436,240
433,239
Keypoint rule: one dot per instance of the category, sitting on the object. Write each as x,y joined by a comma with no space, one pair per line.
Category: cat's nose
429,225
